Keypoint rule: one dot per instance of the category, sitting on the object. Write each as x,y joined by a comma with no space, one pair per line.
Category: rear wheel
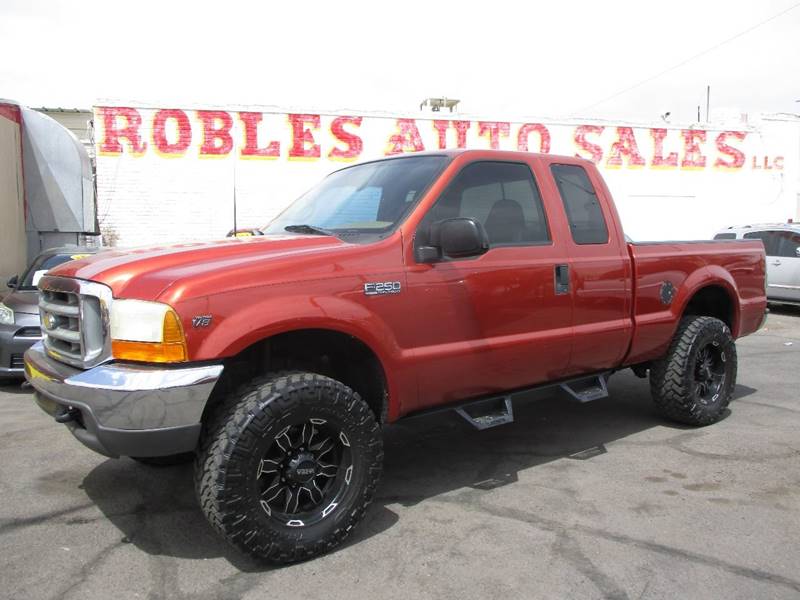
694,382
288,465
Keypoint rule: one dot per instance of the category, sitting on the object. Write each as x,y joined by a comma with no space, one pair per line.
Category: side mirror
12,282
455,238
462,237
427,254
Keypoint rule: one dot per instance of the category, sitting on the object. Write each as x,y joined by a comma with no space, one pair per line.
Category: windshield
42,265
366,199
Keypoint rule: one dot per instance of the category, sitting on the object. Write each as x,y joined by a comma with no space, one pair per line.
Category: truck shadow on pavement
789,310
155,508
14,386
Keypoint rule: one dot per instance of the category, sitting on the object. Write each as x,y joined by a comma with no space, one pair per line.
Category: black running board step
491,412
587,389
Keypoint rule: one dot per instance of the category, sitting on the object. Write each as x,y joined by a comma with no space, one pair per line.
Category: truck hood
146,273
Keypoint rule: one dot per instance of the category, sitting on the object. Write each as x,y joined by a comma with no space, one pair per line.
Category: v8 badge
201,321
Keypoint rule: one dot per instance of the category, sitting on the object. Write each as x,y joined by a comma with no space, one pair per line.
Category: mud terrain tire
265,475
694,381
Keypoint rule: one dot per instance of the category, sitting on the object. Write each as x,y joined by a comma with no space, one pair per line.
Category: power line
687,60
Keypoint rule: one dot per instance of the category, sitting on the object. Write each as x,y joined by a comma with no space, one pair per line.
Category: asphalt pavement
601,500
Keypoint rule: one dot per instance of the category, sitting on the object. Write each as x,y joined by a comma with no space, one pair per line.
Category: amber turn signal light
171,348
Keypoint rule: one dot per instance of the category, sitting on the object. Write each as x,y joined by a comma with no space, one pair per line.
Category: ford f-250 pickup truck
393,287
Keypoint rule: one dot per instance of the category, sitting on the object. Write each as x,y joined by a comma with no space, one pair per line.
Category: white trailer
46,187
12,200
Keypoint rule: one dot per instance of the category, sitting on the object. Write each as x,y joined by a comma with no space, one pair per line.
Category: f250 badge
201,321
379,288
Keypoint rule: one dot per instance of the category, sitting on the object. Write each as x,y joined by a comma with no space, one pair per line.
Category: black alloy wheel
304,473
709,372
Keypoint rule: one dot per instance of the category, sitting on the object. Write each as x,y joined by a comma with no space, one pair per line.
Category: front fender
252,321
243,320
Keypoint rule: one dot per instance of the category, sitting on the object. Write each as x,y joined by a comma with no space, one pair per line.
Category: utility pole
708,101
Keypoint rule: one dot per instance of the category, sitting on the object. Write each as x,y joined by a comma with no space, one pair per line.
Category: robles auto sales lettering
175,133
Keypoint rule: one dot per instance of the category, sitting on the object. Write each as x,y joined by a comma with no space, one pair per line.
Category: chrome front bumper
123,409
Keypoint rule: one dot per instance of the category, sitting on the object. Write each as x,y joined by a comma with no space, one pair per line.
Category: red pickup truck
393,287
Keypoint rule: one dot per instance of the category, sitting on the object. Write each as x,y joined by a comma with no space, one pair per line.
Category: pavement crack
569,549
18,523
86,570
768,405
471,500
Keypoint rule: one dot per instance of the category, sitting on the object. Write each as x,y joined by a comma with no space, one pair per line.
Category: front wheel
288,465
694,382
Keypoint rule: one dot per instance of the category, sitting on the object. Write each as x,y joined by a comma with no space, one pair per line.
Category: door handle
776,263
561,277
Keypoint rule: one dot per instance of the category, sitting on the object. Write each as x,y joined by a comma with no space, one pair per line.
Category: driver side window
502,196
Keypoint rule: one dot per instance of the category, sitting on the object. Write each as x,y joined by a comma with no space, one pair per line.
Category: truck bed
689,267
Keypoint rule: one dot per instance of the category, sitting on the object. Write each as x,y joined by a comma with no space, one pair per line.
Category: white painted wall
181,193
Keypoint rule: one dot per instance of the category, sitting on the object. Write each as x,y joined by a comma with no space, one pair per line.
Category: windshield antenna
234,197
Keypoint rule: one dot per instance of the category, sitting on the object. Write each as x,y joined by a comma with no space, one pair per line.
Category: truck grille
74,316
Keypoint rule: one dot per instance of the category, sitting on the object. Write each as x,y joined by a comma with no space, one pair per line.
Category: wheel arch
712,293
336,353
246,328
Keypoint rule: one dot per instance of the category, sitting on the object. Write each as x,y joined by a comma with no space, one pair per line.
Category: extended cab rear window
586,221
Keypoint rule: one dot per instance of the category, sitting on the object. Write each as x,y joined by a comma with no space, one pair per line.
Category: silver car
782,243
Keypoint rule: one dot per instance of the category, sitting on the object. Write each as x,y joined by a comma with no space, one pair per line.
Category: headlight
147,332
6,315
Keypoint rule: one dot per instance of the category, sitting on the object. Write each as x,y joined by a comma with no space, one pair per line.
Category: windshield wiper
310,229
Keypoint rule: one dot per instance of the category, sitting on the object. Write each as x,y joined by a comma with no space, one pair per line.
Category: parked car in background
782,244
19,309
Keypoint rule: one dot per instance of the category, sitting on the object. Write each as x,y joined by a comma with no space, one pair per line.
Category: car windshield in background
366,200
41,266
